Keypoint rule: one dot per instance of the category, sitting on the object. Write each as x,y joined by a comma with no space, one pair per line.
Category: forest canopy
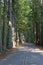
20,18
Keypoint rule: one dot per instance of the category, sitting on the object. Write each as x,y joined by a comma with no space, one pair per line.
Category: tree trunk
5,24
11,27
42,24
0,29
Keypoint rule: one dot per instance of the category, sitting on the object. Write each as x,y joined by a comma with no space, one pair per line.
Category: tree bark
5,24
0,29
11,27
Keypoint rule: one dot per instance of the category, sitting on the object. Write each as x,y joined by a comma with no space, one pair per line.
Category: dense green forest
20,20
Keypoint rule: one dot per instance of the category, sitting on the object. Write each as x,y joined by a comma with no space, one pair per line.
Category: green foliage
28,18
24,16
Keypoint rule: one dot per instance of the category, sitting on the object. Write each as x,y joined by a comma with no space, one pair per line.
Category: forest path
26,55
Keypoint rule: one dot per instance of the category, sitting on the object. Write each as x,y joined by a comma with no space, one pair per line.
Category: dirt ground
14,49
7,53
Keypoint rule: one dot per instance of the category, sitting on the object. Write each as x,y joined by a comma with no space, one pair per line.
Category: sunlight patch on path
26,55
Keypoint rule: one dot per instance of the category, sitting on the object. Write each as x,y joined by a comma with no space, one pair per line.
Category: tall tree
0,28
41,41
11,26
5,24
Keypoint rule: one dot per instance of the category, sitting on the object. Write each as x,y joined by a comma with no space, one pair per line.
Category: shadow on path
26,55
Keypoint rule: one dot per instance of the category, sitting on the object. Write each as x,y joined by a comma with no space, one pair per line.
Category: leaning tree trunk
5,24
0,29
11,27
